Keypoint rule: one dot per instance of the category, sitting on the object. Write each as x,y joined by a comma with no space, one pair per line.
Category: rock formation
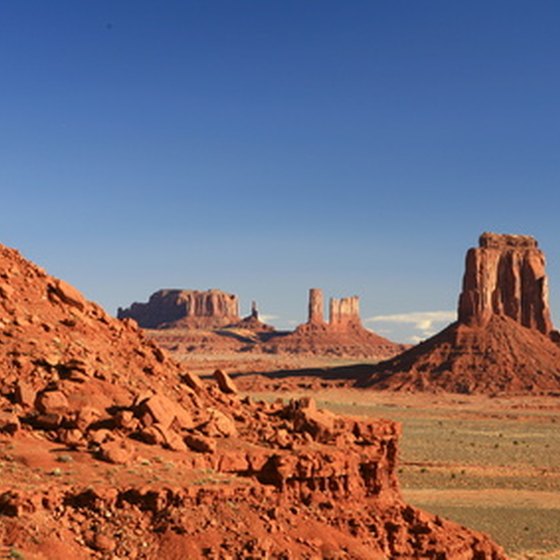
506,275
316,304
253,324
154,464
503,341
184,308
344,312
343,335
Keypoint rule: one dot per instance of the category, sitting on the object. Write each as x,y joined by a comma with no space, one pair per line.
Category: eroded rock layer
110,450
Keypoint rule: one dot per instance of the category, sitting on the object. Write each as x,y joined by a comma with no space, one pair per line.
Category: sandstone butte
503,342
184,308
195,320
154,463
342,335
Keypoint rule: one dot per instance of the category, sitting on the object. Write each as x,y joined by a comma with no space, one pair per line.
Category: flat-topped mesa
344,312
316,304
506,276
188,308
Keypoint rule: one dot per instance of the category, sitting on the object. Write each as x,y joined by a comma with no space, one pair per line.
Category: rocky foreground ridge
503,342
108,449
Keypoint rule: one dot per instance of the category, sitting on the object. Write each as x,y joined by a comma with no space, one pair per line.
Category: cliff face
503,341
344,312
506,276
188,308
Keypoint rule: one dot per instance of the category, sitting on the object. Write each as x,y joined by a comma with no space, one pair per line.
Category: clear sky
266,147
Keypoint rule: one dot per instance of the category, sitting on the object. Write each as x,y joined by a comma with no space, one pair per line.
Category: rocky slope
503,342
109,450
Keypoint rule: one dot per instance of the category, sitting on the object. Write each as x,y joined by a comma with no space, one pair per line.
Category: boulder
119,452
162,410
24,394
219,425
9,423
193,381
67,294
200,443
225,383
52,402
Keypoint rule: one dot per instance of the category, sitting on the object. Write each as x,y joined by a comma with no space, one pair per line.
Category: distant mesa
503,342
342,335
184,317
184,308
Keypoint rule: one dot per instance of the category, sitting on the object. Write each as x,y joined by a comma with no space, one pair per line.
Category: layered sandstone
185,308
503,341
506,276
344,312
154,463
316,305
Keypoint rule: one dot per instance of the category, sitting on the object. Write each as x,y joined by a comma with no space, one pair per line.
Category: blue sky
266,147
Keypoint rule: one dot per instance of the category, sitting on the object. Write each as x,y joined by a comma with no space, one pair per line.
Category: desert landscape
102,432
279,280
478,402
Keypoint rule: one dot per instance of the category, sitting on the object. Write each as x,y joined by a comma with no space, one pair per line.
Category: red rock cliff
344,312
189,308
506,275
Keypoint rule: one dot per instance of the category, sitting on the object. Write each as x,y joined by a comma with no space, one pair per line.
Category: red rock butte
506,276
342,335
503,342
241,479
184,308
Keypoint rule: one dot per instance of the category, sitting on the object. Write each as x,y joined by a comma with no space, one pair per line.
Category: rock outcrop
316,305
184,308
343,335
344,313
503,341
152,463
254,325
506,276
